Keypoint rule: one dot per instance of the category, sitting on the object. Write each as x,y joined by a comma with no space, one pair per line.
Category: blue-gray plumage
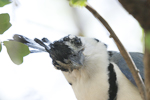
117,58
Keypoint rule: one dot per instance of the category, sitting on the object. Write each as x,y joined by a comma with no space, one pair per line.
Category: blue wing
117,58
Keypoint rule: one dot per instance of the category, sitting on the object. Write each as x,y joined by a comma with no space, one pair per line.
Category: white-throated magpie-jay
93,72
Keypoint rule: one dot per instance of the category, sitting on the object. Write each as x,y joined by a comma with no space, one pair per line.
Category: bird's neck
86,79
95,63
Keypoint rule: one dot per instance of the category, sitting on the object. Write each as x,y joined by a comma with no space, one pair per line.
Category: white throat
86,79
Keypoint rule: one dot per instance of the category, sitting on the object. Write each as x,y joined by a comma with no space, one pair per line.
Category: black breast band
113,87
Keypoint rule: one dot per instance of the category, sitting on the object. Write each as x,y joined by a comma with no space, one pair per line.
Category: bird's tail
36,45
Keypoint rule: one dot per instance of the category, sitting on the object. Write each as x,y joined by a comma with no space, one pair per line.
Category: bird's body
96,87
91,81
91,70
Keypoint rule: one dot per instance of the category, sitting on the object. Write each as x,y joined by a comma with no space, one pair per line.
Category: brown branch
123,52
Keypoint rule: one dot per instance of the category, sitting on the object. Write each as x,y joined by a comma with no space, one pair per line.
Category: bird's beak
78,59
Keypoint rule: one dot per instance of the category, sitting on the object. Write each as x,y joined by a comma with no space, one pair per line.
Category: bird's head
67,53
72,52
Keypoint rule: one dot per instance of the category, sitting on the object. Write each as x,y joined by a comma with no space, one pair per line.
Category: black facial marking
70,83
66,38
63,69
59,51
96,40
76,41
113,87
59,66
55,63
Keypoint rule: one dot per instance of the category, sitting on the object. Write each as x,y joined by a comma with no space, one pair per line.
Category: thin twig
124,53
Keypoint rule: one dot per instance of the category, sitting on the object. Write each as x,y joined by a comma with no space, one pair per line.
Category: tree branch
123,52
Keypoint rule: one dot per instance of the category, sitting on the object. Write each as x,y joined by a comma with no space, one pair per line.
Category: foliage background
36,78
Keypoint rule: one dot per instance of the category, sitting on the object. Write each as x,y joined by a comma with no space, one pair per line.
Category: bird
93,72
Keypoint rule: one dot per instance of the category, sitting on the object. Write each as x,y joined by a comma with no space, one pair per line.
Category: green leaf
80,3
16,51
4,2
4,22
0,46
